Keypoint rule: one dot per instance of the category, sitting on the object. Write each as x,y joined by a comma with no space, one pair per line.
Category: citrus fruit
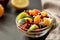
34,12
1,10
37,19
20,4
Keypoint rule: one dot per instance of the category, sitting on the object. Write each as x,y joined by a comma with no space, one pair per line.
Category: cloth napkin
53,6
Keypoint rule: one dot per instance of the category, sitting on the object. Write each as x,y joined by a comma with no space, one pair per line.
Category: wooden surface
53,6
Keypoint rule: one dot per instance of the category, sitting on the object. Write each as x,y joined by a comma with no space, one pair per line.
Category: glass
42,31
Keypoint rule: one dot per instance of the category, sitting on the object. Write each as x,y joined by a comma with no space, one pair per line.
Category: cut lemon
20,3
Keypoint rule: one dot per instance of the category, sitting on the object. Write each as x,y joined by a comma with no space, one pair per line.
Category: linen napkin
53,6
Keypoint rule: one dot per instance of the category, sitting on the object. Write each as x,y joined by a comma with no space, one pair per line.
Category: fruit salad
33,21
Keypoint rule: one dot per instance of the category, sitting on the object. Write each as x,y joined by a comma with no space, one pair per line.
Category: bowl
40,32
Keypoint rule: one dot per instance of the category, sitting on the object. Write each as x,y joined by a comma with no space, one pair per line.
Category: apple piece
33,27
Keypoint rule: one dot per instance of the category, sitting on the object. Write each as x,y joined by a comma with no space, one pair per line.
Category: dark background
8,29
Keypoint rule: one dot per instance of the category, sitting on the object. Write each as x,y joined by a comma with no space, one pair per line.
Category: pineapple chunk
44,13
47,21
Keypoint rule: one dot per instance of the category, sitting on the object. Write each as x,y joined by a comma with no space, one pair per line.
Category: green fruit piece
21,21
21,15
33,27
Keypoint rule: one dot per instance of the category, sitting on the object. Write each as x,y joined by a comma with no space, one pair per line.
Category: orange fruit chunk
34,12
37,19
47,21
31,12
1,10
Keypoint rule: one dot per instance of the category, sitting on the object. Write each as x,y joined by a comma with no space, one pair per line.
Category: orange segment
1,10
37,19
34,12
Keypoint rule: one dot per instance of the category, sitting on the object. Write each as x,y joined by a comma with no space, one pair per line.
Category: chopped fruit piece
34,12
31,12
29,19
42,25
37,19
37,11
44,13
47,21
33,27
22,15
1,10
21,21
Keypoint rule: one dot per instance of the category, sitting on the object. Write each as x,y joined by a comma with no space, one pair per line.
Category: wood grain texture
53,6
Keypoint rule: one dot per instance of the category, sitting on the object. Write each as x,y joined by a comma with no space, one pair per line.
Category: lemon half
20,3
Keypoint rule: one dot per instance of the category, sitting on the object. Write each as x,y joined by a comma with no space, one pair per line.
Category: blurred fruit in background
4,2
1,10
20,4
